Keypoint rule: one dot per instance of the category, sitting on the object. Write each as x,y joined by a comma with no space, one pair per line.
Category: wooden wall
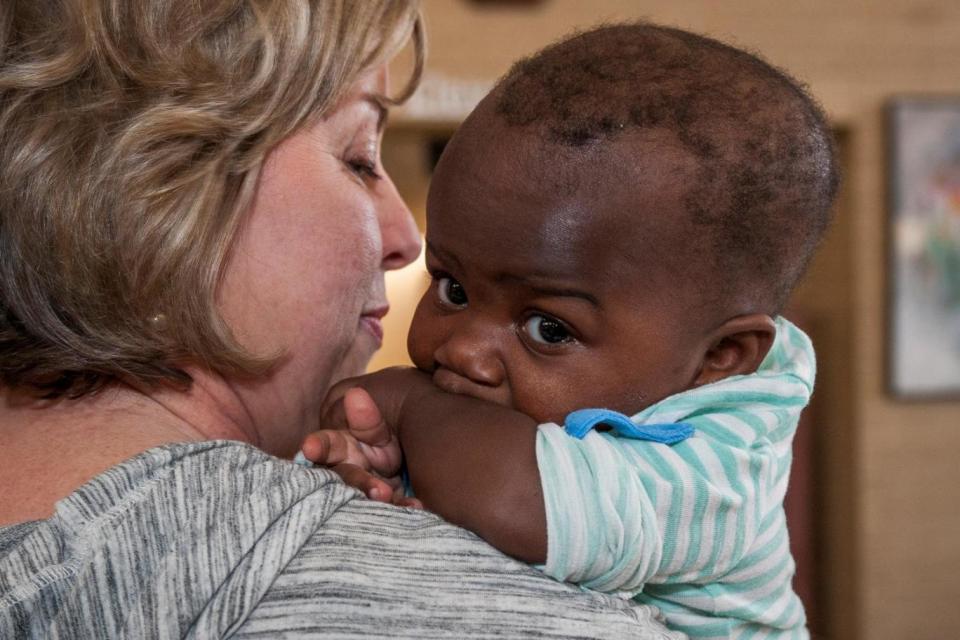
888,478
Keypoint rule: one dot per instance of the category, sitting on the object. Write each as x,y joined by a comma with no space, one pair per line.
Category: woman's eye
546,330
451,292
364,169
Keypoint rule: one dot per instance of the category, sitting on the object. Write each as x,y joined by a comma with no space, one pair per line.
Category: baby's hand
366,455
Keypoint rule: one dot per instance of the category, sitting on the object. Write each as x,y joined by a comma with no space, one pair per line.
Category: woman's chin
355,362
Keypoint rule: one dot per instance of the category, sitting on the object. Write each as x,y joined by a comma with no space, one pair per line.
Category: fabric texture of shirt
696,528
218,539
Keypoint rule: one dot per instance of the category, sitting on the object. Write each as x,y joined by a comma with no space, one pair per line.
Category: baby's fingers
364,419
404,501
329,448
371,486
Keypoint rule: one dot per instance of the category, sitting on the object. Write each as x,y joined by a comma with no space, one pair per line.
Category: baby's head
618,221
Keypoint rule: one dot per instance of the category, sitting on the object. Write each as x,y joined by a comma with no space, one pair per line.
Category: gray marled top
217,539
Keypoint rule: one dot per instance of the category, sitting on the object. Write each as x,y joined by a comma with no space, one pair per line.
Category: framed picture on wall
924,246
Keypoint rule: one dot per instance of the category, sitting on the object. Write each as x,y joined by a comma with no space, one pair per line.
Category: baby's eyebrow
563,292
444,255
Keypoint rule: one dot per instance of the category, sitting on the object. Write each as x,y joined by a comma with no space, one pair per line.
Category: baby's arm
623,511
471,462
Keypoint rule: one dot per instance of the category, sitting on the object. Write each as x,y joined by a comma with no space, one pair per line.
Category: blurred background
874,502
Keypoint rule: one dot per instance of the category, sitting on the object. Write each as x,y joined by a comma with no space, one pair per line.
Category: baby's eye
451,292
546,330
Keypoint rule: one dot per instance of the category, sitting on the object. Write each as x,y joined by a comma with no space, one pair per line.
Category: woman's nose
471,352
401,238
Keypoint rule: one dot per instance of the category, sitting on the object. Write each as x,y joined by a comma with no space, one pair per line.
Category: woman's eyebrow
379,104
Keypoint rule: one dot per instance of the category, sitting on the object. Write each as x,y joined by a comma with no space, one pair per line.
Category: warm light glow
404,289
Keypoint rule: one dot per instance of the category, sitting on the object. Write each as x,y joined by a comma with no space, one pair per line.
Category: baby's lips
451,382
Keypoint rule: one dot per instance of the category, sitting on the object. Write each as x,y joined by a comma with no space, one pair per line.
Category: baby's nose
472,356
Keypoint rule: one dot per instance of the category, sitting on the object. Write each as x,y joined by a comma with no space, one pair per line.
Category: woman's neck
49,448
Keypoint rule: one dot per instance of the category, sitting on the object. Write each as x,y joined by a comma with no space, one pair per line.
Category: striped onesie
695,528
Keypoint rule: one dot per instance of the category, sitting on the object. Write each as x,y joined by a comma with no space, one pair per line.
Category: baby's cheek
545,402
552,400
423,338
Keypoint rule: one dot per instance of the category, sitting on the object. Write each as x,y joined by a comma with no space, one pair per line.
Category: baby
612,233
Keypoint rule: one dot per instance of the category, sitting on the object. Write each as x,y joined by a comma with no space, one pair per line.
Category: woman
195,228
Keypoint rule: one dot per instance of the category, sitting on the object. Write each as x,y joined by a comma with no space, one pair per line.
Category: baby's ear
738,347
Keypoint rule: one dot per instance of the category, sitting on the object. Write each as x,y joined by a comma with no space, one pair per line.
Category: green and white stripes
695,528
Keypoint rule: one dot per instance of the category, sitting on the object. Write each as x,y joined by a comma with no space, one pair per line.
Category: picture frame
924,247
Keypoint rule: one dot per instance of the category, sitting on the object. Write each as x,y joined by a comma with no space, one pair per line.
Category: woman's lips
370,321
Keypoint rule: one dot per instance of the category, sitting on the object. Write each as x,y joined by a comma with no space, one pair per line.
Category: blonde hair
132,135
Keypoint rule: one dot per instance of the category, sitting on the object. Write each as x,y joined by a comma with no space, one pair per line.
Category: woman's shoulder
378,571
155,544
218,538
181,485
212,470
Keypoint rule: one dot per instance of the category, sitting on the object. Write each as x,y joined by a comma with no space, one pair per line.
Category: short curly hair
132,135
767,171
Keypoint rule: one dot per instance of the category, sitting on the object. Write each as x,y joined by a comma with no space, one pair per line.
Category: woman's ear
738,347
